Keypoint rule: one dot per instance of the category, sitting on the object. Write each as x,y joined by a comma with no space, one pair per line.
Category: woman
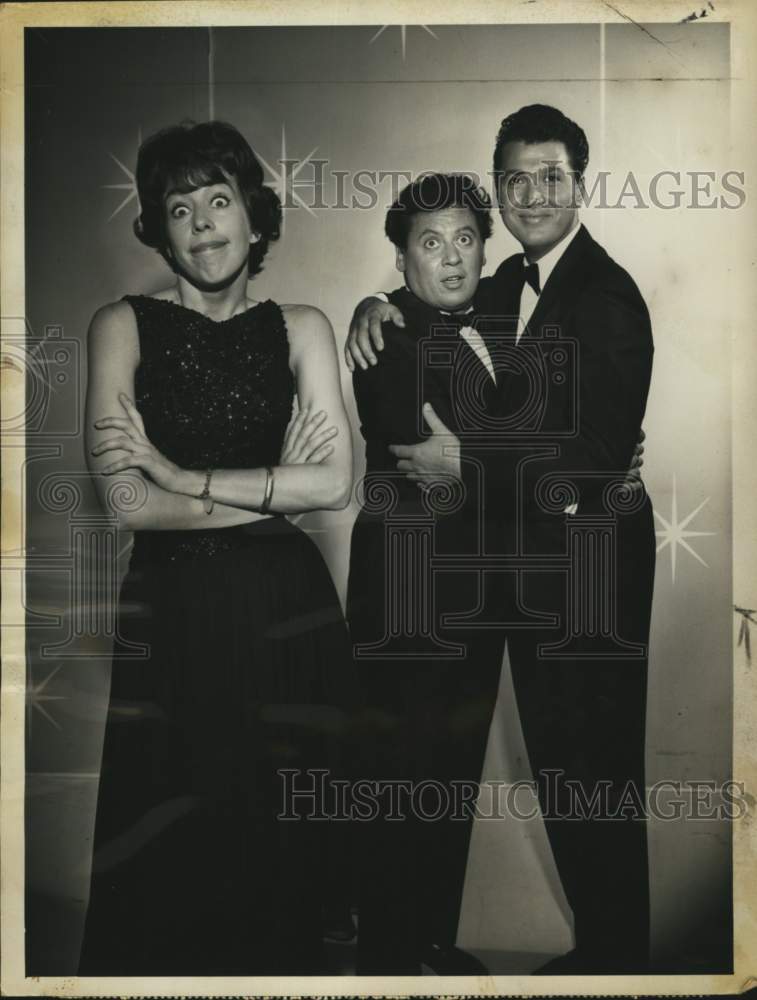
230,663
430,685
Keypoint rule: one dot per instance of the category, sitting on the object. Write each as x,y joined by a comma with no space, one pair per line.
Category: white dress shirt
546,264
470,335
528,300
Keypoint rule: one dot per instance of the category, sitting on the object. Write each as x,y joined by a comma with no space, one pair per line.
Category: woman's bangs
193,174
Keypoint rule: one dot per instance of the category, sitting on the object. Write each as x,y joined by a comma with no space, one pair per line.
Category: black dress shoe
452,961
594,963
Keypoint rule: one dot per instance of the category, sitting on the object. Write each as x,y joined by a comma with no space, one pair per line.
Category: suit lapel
496,314
504,300
561,279
444,376
497,303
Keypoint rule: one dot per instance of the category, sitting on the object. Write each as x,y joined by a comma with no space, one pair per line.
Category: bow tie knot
531,275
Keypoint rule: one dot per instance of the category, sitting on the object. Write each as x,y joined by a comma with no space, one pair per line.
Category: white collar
464,312
548,262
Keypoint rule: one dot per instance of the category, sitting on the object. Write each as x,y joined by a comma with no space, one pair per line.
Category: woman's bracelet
207,499
268,492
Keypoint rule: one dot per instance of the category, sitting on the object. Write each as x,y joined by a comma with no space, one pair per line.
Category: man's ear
399,260
579,190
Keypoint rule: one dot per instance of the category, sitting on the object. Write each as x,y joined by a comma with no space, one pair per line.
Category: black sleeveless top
212,395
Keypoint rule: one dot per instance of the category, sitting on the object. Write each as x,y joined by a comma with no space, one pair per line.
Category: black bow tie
424,316
531,275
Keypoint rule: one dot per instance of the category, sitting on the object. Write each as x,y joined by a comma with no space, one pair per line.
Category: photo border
742,16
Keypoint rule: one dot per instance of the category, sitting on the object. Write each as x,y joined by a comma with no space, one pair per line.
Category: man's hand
633,476
365,331
438,455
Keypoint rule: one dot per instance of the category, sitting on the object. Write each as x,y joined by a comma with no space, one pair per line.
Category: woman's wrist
267,490
190,482
198,483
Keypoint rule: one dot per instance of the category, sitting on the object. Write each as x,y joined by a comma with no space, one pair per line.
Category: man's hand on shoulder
365,331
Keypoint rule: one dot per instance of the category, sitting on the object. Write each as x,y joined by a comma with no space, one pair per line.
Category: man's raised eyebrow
435,232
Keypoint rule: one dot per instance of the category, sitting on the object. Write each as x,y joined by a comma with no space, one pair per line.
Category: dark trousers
424,729
583,721
429,731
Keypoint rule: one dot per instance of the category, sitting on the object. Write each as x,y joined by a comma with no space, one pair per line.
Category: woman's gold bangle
268,492
207,499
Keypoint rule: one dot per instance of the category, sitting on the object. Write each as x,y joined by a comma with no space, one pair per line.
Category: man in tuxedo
430,687
573,366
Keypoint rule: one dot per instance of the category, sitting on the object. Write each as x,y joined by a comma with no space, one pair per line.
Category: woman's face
209,233
443,258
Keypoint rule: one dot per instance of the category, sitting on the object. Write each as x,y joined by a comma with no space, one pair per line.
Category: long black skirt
203,862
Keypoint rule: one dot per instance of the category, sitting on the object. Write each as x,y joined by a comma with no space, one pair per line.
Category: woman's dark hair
187,156
542,123
432,193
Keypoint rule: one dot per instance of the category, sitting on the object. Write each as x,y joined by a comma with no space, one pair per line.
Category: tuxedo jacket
426,361
570,395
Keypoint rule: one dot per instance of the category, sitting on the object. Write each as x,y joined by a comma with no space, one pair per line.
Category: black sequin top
213,395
